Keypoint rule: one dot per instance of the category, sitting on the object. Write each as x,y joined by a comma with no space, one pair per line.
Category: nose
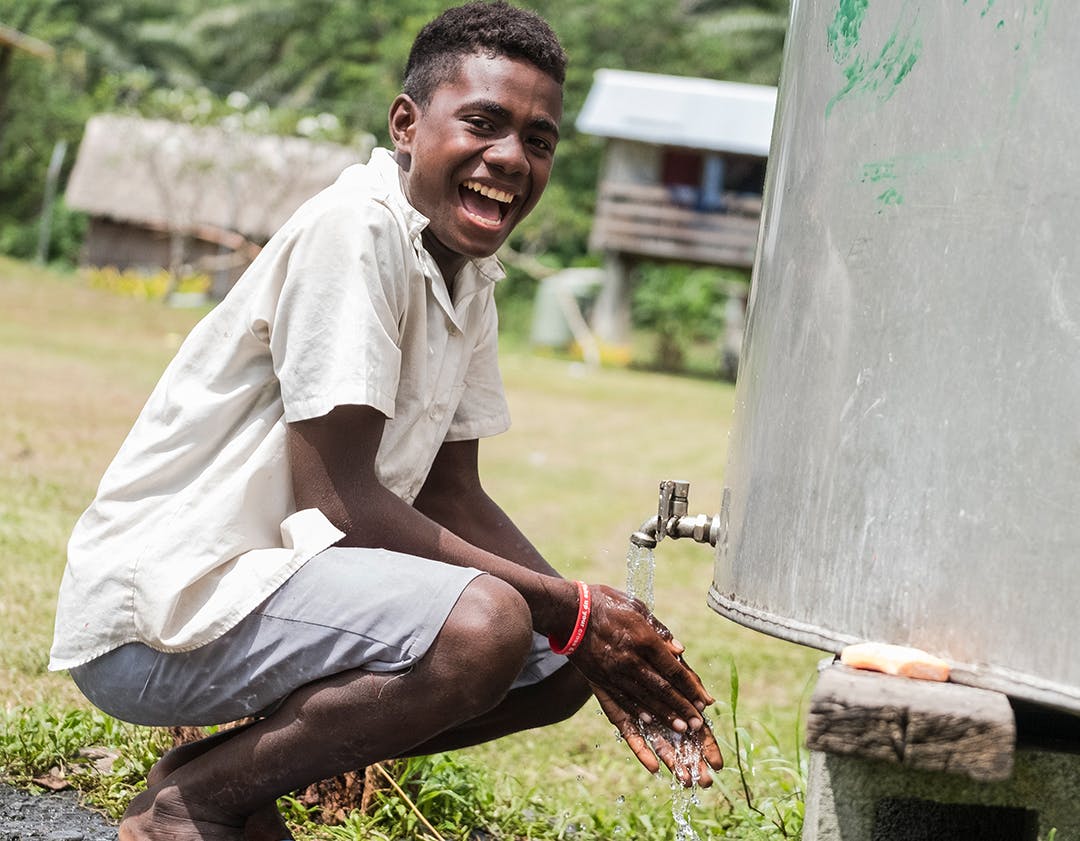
507,153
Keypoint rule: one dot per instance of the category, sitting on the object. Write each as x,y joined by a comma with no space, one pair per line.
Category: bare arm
453,497
333,467
626,654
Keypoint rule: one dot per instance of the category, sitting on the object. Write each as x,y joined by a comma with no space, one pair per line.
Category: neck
449,262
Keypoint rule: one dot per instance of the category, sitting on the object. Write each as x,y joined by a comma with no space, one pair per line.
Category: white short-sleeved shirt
194,522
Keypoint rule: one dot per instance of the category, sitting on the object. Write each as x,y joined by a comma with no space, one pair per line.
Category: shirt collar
476,273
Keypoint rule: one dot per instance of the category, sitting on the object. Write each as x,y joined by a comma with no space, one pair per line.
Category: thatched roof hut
144,182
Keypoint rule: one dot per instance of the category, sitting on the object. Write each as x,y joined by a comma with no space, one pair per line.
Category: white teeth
490,192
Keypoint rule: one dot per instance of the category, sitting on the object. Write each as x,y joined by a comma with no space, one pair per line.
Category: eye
481,124
542,144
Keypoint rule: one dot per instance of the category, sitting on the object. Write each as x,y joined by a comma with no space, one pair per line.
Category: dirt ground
49,817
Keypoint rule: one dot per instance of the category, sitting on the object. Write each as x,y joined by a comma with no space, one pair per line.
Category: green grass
578,471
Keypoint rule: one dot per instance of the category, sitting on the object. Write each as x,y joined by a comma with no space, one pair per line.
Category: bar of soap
895,660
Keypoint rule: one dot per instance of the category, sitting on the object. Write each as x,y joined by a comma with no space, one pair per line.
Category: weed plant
759,795
105,759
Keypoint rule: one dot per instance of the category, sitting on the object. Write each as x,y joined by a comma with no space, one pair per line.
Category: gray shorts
344,609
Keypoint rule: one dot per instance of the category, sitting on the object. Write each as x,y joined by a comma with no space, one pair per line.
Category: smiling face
476,158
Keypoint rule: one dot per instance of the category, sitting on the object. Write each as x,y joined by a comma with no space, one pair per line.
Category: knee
486,640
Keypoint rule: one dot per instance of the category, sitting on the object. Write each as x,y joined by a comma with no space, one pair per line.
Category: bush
681,304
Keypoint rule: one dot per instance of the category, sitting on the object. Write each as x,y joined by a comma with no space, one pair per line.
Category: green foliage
761,790
20,239
106,759
765,792
681,304
454,796
331,68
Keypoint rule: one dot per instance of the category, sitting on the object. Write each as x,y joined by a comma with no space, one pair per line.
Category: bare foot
264,825
160,814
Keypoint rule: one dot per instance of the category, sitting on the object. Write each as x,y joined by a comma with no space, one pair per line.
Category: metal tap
672,519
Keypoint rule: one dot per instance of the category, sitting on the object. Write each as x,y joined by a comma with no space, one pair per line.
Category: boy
295,529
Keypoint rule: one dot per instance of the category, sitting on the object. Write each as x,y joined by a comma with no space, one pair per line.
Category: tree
346,58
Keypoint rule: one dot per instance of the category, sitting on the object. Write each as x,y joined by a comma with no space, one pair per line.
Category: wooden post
611,313
919,724
52,177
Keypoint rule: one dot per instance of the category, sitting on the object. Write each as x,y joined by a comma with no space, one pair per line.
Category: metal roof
680,111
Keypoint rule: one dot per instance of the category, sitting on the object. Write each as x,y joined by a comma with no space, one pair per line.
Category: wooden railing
643,220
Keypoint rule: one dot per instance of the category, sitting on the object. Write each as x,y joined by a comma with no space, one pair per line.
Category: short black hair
485,28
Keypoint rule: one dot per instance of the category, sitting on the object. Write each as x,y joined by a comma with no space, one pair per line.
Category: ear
403,116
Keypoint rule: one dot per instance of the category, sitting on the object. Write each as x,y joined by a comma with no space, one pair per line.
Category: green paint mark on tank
877,171
1030,22
864,72
894,175
844,30
891,198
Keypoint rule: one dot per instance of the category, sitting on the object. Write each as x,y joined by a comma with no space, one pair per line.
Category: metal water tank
905,460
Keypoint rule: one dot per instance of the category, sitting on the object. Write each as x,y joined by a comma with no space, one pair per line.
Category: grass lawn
578,472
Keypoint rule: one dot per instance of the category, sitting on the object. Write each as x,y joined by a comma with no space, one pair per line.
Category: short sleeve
335,337
482,410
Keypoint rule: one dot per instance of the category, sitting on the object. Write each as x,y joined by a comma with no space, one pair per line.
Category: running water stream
640,571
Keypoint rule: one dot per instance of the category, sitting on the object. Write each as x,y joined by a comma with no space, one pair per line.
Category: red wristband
580,624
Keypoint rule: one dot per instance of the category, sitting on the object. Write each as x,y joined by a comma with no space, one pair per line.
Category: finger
635,712
656,695
660,628
655,714
664,655
659,682
670,758
710,750
650,742
687,773
684,680
628,729
641,749
694,687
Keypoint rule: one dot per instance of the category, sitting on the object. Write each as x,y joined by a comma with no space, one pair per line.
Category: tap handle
674,502
680,500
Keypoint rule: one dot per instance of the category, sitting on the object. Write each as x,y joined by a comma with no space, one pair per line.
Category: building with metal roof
681,179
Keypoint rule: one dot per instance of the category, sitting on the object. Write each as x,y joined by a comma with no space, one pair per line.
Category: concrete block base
855,799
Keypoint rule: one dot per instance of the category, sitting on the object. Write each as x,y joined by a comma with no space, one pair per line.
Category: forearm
475,517
486,539
332,459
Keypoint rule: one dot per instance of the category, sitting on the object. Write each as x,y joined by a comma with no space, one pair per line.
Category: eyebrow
490,106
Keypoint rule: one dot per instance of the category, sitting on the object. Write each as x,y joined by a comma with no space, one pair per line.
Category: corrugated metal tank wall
905,464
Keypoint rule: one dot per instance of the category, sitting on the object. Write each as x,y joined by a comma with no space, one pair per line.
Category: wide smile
484,204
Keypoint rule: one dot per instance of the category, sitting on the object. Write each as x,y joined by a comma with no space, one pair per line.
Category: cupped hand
634,660
691,762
